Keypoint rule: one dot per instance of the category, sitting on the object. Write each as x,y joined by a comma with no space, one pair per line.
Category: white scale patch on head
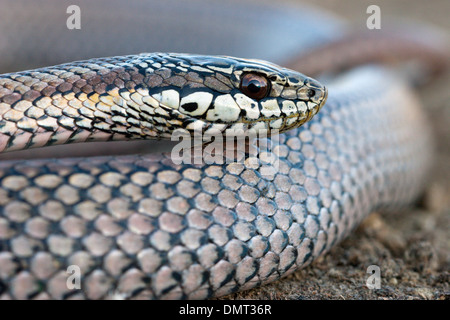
196,103
288,107
225,109
169,98
289,93
270,108
302,110
249,105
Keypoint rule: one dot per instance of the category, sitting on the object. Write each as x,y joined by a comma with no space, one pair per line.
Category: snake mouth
306,110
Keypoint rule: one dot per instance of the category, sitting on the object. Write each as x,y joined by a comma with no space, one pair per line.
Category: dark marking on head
190,107
311,93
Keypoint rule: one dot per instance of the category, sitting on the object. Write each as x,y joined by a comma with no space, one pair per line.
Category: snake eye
254,86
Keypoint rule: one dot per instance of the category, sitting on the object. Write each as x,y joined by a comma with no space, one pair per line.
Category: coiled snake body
140,226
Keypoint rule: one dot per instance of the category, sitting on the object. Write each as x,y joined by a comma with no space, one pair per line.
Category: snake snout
323,97
312,91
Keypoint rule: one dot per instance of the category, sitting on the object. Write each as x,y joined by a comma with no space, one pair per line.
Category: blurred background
411,248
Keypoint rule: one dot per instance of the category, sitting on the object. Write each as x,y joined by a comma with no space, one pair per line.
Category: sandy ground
411,248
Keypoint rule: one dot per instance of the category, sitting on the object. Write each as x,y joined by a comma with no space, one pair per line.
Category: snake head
285,99
224,92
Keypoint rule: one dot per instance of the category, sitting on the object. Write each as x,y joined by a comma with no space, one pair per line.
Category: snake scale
142,227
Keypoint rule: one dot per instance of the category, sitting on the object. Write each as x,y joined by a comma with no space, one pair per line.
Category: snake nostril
311,93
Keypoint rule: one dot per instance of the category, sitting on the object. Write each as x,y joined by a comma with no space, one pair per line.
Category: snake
141,226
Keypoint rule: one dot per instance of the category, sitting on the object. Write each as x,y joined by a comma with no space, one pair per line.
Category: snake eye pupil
311,93
254,86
